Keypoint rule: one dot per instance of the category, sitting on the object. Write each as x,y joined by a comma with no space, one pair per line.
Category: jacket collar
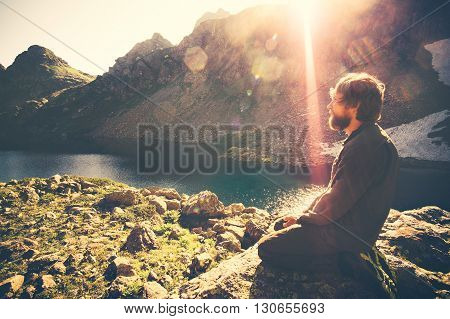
362,127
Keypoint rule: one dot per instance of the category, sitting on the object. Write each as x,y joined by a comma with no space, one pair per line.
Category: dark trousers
295,247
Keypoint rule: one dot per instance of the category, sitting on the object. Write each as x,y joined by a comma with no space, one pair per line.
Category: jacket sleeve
356,171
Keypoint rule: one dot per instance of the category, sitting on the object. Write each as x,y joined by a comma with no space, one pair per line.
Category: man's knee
265,247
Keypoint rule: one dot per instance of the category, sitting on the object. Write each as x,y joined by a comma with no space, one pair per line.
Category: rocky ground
74,237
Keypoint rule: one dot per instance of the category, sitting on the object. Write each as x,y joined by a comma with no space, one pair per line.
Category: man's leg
294,246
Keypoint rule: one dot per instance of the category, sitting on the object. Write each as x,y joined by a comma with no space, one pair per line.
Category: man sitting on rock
349,215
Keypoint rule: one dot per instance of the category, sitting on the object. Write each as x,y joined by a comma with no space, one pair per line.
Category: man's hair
364,91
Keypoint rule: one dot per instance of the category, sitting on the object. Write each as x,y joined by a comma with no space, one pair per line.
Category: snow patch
440,51
411,139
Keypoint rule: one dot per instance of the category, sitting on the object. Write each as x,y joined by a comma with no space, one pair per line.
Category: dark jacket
358,198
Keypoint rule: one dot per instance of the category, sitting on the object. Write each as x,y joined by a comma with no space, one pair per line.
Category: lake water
416,187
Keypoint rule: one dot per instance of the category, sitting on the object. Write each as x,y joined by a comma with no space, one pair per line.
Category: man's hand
284,222
289,221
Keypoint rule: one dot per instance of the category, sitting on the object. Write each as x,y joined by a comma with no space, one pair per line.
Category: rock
173,204
200,263
153,290
118,211
88,257
46,282
415,243
204,203
159,203
41,263
30,196
219,228
55,179
11,285
152,276
254,230
235,208
28,293
169,193
228,241
121,198
244,276
238,232
57,268
393,269
85,184
30,253
140,238
120,266
124,287
175,234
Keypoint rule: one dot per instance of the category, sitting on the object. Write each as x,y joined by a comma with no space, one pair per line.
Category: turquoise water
292,193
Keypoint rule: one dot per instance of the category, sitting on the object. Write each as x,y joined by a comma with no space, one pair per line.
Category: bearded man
350,213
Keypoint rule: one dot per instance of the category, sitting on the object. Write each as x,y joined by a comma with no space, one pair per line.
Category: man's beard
338,123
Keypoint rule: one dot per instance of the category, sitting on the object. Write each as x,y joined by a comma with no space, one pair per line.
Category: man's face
340,116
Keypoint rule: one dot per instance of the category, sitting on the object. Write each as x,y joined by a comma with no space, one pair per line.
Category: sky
100,30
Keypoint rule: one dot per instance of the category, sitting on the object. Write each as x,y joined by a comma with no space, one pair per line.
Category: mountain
35,74
219,14
250,68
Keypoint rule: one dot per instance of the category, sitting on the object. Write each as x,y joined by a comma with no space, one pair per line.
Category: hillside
250,68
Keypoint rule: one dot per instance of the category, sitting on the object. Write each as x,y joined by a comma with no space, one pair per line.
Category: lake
417,187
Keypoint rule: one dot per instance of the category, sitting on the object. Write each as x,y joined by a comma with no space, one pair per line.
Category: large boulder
416,245
140,238
245,276
205,204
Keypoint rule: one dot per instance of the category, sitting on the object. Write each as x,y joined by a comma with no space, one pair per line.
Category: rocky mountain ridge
250,68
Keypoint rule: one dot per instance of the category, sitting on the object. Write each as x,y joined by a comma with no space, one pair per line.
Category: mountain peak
141,50
220,14
2,68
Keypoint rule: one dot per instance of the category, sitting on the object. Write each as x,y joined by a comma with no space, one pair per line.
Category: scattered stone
140,238
121,198
28,293
153,290
85,184
173,204
175,233
234,209
158,202
30,196
120,266
46,282
88,257
30,253
118,211
219,228
130,225
169,193
236,231
204,203
197,230
124,287
200,263
55,179
152,276
254,231
11,285
42,263
228,241
57,268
